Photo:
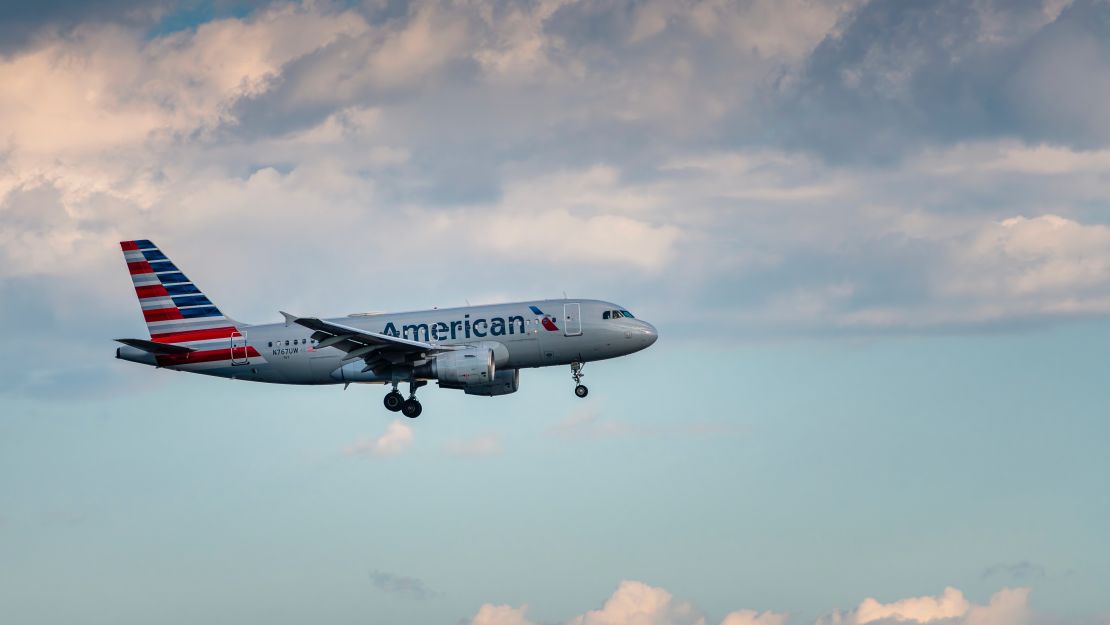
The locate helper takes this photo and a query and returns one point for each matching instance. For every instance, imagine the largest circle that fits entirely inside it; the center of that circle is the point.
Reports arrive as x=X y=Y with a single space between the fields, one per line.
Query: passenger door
x=572 y=319
x=239 y=349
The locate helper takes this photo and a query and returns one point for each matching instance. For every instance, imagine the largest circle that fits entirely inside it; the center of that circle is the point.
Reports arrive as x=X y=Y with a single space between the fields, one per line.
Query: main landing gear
x=576 y=373
x=394 y=401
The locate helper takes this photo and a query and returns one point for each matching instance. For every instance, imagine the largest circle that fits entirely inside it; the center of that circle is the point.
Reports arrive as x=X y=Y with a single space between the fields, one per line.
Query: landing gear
x=411 y=408
x=576 y=373
x=393 y=401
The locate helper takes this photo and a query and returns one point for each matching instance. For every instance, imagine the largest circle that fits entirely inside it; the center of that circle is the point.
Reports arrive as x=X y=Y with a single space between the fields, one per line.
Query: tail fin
x=176 y=311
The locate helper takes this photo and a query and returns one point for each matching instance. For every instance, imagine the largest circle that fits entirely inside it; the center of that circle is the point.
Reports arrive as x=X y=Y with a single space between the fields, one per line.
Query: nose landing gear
x=576 y=373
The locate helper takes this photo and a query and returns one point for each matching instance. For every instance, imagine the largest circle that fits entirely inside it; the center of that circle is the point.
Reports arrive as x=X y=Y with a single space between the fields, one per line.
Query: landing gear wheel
x=393 y=401
x=576 y=373
x=411 y=408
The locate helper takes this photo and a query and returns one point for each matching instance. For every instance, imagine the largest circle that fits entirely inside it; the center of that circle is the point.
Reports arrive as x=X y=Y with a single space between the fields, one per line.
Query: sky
x=873 y=235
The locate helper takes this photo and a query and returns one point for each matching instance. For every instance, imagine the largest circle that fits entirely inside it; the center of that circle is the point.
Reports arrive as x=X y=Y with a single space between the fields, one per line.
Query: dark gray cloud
x=22 y=23
x=1022 y=571
x=400 y=585
x=902 y=75
x=600 y=91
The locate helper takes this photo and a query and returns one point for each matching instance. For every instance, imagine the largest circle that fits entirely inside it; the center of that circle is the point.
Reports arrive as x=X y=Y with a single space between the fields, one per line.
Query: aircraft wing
x=374 y=348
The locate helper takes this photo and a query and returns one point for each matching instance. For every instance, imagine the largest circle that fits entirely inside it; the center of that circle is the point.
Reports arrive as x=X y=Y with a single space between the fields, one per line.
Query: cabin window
x=287 y=343
x=270 y=344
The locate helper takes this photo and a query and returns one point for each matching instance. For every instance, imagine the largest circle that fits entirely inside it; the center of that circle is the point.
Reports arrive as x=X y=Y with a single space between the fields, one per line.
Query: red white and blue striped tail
x=176 y=311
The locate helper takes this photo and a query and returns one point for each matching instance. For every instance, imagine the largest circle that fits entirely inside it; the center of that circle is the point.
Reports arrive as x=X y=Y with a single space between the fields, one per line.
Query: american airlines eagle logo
x=548 y=322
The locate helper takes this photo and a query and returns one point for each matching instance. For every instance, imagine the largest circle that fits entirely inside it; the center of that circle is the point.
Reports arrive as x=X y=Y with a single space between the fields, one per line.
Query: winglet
x=289 y=319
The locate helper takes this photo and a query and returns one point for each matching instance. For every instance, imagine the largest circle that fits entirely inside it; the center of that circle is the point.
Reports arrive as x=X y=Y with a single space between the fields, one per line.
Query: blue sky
x=873 y=236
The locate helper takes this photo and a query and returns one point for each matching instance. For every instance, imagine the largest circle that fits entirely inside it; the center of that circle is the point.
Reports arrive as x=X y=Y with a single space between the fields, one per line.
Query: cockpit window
x=605 y=315
x=627 y=314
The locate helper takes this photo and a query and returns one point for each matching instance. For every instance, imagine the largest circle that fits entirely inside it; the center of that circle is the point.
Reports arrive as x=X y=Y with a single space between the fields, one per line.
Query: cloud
x=1022 y=570
x=950 y=604
x=490 y=614
x=1031 y=257
x=410 y=587
x=637 y=603
x=1009 y=606
x=897 y=76
x=483 y=445
x=751 y=617
x=396 y=439
x=22 y=24
x=622 y=150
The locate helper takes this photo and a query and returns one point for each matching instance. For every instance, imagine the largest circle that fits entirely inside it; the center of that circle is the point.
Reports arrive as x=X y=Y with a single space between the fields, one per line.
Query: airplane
x=479 y=350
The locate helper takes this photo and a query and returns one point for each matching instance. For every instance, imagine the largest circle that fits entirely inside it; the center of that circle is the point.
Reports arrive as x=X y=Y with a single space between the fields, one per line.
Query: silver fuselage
x=518 y=337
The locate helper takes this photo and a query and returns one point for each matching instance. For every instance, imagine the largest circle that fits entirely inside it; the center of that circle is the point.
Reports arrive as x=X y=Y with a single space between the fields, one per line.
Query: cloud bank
x=636 y=603
x=799 y=168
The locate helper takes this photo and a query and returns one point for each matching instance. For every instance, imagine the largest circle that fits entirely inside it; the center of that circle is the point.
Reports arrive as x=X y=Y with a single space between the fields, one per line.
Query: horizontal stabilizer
x=156 y=348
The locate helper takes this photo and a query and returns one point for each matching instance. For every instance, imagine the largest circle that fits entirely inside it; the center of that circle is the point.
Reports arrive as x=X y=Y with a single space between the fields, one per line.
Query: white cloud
x=583 y=217
x=490 y=614
x=397 y=438
x=637 y=603
x=106 y=88
x=751 y=617
x=1043 y=265
x=950 y=604
x=1009 y=606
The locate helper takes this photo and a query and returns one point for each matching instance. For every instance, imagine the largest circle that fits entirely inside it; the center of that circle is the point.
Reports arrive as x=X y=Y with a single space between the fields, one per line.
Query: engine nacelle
x=504 y=382
x=461 y=368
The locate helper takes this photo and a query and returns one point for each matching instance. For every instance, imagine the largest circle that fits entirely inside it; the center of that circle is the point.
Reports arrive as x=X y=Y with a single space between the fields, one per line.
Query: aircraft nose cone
x=650 y=333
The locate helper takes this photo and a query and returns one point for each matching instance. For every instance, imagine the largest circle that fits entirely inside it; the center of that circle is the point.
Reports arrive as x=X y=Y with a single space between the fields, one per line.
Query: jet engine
x=460 y=368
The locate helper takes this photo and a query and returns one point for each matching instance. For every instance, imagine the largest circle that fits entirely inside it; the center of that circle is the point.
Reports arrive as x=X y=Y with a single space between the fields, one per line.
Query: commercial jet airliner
x=479 y=350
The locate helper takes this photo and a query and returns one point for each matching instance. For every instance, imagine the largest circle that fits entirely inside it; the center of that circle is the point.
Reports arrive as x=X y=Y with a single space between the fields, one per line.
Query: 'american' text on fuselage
x=464 y=328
